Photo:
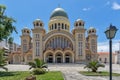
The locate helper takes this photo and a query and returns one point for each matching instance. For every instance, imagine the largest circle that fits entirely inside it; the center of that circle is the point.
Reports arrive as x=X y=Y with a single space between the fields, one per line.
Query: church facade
x=59 y=44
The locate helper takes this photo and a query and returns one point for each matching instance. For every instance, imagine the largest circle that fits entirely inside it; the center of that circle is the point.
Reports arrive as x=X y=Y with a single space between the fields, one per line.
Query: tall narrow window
x=37 y=24
x=52 y=26
x=55 y=26
x=37 y=48
x=93 y=46
x=24 y=47
x=80 y=48
x=40 y=24
x=79 y=24
x=65 y=26
x=62 y=26
x=58 y=24
x=76 y=24
x=80 y=37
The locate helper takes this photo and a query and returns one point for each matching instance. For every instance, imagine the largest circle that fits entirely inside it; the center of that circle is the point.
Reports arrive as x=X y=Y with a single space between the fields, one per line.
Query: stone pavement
x=70 y=71
x=74 y=75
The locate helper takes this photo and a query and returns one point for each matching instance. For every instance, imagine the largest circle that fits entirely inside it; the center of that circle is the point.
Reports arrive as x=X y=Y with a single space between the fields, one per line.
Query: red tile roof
x=104 y=53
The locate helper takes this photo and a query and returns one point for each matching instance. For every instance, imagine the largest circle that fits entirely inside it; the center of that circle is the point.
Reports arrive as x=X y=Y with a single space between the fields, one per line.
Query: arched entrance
x=68 y=58
x=50 y=58
x=59 y=58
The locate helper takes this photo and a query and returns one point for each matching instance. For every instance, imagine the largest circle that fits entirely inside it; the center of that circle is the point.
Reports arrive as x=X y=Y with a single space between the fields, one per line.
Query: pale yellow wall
x=59 y=19
x=76 y=33
x=103 y=56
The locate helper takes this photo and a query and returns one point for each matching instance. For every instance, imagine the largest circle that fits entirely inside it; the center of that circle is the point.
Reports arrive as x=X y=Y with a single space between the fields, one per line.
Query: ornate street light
x=110 y=34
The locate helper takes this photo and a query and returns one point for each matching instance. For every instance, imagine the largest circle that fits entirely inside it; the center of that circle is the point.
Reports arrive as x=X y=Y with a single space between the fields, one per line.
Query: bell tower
x=38 y=33
x=92 y=40
x=25 y=40
x=79 y=34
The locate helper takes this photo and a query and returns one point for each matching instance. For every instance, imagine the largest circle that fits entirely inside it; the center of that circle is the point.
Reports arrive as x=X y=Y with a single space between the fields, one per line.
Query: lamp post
x=110 y=34
x=119 y=47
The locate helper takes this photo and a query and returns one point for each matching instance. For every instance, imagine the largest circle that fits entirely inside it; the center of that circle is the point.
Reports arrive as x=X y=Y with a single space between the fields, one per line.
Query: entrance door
x=50 y=60
x=67 y=60
x=58 y=60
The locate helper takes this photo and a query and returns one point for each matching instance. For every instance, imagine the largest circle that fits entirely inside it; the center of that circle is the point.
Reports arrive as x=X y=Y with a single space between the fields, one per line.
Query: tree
x=94 y=65
x=6 y=25
x=38 y=66
x=3 y=60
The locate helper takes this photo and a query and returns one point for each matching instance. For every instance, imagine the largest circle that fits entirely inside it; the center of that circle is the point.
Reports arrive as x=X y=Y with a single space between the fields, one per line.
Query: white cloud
x=86 y=9
x=115 y=6
x=104 y=46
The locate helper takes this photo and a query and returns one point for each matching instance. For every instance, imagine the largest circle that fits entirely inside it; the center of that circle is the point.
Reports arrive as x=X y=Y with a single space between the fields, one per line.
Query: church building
x=59 y=44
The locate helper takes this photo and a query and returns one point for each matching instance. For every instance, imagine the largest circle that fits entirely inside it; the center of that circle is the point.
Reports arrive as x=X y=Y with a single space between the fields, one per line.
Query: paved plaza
x=70 y=71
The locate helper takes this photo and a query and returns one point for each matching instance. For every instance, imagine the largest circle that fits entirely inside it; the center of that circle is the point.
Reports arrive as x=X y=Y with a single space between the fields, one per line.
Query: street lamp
x=110 y=34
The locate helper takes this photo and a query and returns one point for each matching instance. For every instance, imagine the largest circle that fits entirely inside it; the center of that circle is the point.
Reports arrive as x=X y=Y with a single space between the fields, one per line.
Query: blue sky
x=95 y=13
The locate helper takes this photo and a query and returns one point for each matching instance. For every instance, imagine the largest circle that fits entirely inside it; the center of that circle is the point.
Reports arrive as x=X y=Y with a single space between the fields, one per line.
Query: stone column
x=53 y=58
x=44 y=58
x=63 y=58
x=72 y=58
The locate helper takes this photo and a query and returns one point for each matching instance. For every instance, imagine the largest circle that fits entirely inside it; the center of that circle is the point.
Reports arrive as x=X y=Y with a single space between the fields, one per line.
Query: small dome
x=59 y=12
x=38 y=20
x=79 y=20
x=38 y=23
x=79 y=23
x=25 y=28
x=91 y=30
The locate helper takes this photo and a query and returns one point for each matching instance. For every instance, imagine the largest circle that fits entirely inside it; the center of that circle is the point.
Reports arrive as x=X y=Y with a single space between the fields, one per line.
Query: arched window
x=37 y=48
x=58 y=24
x=24 y=47
x=80 y=45
x=93 y=42
x=27 y=31
x=59 y=42
x=65 y=26
x=55 y=26
x=37 y=24
x=93 y=45
x=62 y=26
x=40 y=24
x=80 y=24
x=76 y=24
x=52 y=26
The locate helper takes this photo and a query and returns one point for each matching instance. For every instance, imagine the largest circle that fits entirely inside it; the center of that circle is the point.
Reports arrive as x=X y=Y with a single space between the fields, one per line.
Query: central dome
x=59 y=12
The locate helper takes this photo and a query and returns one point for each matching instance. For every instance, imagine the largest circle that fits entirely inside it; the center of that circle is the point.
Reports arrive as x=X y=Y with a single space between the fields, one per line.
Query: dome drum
x=25 y=31
x=38 y=23
x=59 y=25
x=79 y=23
x=91 y=30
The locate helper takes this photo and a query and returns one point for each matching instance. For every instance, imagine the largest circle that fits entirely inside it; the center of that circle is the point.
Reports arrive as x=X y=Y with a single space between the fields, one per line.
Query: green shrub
x=38 y=71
